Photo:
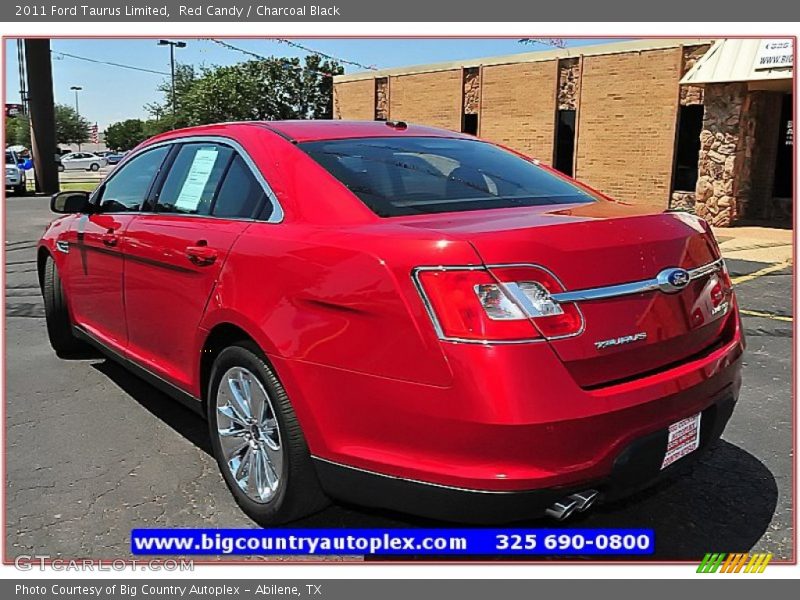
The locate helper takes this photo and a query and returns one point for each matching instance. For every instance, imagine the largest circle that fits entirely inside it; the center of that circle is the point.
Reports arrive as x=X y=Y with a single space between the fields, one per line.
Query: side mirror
x=66 y=203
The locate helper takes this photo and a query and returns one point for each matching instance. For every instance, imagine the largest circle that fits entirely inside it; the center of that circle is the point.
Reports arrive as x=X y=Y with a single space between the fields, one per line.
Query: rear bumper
x=636 y=466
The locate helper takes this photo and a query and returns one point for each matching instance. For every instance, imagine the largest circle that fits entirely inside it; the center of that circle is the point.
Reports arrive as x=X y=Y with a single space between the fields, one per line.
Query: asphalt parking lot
x=92 y=451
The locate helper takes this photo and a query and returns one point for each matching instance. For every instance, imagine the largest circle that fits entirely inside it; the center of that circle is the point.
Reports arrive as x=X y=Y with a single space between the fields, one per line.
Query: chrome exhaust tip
x=562 y=509
x=584 y=499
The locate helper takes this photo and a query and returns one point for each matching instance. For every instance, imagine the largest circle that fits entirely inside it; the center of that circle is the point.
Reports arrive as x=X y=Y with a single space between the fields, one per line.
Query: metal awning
x=743 y=60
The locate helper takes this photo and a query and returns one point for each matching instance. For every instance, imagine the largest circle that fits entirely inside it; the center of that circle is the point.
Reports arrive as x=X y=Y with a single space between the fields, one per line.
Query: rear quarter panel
x=318 y=295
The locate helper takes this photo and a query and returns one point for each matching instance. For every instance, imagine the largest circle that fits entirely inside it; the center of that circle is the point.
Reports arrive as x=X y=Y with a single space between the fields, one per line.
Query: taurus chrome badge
x=625 y=339
x=673 y=280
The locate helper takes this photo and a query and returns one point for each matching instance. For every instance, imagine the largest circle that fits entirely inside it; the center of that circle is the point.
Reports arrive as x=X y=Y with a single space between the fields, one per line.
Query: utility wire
x=109 y=63
x=343 y=61
x=263 y=57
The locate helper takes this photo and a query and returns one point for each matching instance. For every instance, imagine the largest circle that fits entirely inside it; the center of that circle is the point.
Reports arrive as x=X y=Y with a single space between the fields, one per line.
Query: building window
x=565 y=141
x=381 y=98
x=687 y=151
x=469 y=124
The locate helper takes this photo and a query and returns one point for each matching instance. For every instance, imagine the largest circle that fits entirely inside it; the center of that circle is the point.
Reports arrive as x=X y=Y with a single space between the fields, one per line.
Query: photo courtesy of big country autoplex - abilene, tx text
x=240 y=11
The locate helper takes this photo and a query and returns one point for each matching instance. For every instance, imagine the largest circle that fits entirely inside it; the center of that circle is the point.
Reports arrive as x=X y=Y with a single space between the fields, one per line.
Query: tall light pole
x=76 y=89
x=172 y=45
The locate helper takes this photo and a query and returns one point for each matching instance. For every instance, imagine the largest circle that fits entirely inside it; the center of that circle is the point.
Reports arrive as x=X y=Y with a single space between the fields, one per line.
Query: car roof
x=314 y=130
x=306 y=131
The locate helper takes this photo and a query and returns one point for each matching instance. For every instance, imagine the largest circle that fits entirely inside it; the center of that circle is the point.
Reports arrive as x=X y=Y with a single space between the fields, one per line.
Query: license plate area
x=683 y=438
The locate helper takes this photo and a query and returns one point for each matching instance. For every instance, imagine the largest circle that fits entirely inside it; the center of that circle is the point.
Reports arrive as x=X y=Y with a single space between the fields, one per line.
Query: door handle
x=109 y=238
x=201 y=255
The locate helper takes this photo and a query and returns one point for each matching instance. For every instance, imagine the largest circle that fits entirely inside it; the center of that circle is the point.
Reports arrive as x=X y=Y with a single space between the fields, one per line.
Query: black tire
x=60 y=168
x=94 y=167
x=21 y=189
x=298 y=493
x=59 y=325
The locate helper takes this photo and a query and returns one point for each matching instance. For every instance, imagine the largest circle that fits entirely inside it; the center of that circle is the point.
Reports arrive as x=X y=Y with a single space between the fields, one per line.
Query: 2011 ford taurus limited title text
x=400 y=316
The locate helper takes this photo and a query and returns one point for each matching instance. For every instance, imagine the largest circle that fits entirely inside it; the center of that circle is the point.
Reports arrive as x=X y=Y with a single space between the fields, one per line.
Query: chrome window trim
x=632 y=288
x=277 y=210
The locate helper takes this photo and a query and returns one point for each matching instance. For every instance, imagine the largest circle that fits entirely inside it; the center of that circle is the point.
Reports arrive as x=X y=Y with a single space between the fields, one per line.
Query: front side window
x=419 y=175
x=127 y=189
x=193 y=179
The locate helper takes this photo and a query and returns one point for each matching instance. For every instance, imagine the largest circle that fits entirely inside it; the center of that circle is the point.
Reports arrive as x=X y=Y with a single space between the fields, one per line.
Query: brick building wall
x=354 y=100
x=627 y=103
x=626 y=124
x=427 y=98
x=518 y=103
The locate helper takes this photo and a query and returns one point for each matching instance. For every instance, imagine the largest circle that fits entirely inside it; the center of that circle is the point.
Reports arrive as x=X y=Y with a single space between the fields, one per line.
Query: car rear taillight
x=505 y=303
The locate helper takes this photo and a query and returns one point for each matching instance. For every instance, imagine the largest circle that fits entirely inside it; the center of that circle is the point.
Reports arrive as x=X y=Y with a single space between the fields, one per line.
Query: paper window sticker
x=196 y=180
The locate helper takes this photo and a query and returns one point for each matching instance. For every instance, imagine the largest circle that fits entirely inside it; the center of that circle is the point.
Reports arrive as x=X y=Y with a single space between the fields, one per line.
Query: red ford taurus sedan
x=399 y=316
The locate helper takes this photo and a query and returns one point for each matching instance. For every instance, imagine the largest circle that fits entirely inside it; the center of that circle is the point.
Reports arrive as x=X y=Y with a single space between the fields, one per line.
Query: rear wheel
x=257 y=441
x=94 y=167
x=59 y=325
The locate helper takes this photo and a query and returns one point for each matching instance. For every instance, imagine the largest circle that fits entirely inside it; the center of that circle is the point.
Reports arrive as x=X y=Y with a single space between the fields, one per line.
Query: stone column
x=472 y=91
x=381 y=98
x=726 y=143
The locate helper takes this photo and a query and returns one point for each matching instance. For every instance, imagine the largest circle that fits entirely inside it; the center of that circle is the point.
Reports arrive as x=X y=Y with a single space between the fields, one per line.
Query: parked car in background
x=15 y=175
x=81 y=160
x=401 y=317
x=111 y=156
x=114 y=158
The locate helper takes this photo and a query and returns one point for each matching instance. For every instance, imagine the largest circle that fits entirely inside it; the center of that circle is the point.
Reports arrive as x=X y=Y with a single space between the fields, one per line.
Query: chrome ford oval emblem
x=673 y=280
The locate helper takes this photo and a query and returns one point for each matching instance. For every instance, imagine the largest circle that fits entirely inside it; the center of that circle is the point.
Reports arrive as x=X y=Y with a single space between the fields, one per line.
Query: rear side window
x=418 y=175
x=240 y=193
x=127 y=189
x=193 y=179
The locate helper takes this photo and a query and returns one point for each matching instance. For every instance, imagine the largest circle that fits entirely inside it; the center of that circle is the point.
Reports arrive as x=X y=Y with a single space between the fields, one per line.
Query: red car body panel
x=328 y=295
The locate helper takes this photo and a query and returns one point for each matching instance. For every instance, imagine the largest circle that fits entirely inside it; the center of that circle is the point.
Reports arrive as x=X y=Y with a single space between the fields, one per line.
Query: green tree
x=164 y=118
x=18 y=131
x=71 y=128
x=125 y=135
x=268 y=89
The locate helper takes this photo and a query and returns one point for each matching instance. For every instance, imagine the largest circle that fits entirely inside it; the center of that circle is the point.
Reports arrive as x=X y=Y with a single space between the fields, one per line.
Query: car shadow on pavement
x=722 y=503
x=184 y=421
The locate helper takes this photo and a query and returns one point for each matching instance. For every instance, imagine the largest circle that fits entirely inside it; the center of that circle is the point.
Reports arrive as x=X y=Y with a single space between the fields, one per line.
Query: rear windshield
x=419 y=175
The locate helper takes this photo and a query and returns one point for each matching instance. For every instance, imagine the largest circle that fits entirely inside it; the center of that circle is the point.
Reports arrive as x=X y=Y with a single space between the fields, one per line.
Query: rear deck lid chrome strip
x=667 y=281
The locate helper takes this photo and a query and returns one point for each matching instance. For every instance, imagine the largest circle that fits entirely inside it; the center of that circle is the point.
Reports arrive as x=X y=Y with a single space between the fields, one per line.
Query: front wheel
x=257 y=440
x=21 y=189
x=60 y=168
x=59 y=325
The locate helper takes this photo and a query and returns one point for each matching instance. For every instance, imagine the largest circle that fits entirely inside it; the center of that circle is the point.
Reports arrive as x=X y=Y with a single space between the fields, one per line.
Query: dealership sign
x=12 y=110
x=774 y=54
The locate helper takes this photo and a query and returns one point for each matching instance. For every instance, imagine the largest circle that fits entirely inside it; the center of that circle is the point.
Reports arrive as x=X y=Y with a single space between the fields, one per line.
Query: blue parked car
x=112 y=157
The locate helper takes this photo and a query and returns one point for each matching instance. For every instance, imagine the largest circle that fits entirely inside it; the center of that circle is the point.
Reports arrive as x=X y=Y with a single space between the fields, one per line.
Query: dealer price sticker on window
x=683 y=439
x=197 y=179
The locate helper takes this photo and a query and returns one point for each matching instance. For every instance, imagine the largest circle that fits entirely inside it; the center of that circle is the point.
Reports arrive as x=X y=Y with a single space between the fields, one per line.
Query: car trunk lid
x=627 y=335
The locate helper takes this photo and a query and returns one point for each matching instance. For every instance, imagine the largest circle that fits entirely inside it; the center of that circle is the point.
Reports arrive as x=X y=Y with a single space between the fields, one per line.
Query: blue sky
x=112 y=94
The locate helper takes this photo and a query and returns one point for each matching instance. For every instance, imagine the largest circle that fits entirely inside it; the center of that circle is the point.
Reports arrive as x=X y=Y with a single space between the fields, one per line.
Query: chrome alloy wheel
x=249 y=435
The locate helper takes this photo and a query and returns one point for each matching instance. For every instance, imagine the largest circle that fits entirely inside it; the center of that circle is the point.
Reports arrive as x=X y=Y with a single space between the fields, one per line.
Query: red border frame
x=544 y=560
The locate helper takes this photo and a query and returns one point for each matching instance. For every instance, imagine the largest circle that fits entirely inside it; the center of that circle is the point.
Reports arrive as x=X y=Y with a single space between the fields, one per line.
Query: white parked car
x=81 y=160
x=15 y=176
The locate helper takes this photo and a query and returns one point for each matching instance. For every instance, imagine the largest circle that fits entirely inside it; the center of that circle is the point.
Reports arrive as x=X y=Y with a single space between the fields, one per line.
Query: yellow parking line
x=765 y=315
x=761 y=272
